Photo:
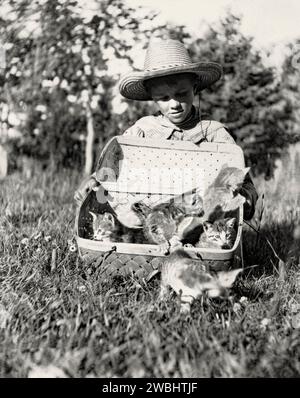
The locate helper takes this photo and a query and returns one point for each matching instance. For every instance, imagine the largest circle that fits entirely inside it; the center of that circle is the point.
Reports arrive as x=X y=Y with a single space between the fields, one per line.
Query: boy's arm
x=85 y=188
x=249 y=192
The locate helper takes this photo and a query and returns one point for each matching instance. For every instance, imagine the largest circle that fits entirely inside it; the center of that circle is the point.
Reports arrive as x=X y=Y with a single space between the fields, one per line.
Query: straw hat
x=167 y=57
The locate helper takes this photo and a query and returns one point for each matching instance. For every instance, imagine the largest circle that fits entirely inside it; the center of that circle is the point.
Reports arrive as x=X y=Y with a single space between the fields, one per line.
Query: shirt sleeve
x=222 y=135
x=214 y=131
x=249 y=192
x=134 y=131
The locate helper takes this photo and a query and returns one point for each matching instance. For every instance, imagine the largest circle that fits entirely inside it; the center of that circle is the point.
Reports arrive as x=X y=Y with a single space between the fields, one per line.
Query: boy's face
x=173 y=95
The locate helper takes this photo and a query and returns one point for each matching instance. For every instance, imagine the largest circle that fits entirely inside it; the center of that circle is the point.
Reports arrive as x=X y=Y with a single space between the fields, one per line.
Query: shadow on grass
x=257 y=250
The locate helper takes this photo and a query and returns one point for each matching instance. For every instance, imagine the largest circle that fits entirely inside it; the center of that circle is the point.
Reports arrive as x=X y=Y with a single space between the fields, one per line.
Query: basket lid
x=131 y=169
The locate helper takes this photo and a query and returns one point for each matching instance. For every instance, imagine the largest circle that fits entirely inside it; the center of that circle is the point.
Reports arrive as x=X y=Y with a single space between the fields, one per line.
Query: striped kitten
x=107 y=228
x=222 y=195
x=166 y=223
x=190 y=279
x=104 y=227
x=219 y=235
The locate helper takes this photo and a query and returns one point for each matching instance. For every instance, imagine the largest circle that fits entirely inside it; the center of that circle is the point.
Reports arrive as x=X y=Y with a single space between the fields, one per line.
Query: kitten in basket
x=220 y=234
x=189 y=278
x=107 y=228
x=222 y=195
x=167 y=223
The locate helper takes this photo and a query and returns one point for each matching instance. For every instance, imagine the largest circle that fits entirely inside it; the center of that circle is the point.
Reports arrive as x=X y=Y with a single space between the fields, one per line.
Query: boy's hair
x=169 y=79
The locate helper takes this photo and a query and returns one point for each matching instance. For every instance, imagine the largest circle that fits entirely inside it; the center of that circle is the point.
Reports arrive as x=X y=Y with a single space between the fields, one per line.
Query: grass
x=58 y=319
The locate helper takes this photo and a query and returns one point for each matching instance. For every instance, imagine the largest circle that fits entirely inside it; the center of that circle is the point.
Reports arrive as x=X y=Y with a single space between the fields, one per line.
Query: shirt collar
x=189 y=123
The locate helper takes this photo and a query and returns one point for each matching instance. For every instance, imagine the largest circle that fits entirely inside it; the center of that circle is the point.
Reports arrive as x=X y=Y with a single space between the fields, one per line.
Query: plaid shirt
x=196 y=131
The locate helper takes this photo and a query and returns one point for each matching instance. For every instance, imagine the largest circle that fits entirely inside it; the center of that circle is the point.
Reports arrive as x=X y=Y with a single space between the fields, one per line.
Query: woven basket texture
x=140 y=267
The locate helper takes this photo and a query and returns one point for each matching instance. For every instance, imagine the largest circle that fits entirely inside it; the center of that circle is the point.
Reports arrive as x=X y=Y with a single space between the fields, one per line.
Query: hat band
x=168 y=66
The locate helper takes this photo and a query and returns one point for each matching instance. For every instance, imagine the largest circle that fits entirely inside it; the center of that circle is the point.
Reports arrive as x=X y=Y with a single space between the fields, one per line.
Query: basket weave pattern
x=122 y=264
x=139 y=267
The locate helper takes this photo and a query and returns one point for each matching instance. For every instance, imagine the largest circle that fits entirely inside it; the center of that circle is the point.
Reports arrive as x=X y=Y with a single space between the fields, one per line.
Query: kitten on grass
x=190 y=278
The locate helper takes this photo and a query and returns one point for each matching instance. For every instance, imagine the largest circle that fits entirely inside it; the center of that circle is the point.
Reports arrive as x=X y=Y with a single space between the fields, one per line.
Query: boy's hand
x=85 y=188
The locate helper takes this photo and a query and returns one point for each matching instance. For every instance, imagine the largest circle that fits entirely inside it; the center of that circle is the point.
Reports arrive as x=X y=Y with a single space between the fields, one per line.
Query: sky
x=271 y=23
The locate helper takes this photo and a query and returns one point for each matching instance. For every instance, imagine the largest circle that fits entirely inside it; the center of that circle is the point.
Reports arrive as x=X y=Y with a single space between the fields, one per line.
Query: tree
x=60 y=73
x=248 y=99
x=290 y=77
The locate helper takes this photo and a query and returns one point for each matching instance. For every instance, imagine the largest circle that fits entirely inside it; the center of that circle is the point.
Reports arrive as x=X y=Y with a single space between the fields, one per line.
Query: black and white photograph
x=149 y=192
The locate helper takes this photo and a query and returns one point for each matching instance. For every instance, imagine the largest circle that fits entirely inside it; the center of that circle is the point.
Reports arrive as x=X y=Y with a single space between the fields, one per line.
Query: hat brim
x=131 y=86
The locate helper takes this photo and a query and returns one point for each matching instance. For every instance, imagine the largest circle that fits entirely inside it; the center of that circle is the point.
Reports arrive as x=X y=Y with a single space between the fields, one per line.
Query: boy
x=171 y=80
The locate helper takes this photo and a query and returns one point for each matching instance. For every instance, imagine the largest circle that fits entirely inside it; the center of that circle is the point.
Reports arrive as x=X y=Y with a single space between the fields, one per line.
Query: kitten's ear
x=227 y=278
x=230 y=222
x=246 y=170
x=197 y=199
x=93 y=215
x=109 y=217
x=206 y=225
x=141 y=208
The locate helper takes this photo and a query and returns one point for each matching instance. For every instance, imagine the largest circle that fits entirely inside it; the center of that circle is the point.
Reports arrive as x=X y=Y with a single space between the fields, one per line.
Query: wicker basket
x=131 y=169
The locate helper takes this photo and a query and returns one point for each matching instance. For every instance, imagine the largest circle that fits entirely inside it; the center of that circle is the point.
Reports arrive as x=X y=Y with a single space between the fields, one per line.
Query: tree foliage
x=59 y=72
x=291 y=88
x=248 y=99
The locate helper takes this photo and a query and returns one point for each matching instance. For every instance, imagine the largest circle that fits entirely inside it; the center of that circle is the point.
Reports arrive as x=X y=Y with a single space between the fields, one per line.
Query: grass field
x=57 y=319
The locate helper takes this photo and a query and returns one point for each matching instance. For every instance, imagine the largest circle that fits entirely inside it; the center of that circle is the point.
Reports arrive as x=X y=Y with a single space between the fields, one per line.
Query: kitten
x=104 y=227
x=107 y=228
x=189 y=278
x=219 y=235
x=222 y=195
x=165 y=224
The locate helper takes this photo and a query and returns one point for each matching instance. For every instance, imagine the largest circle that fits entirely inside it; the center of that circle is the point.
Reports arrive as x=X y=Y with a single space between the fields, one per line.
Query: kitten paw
x=165 y=247
x=175 y=242
x=185 y=308
x=163 y=293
